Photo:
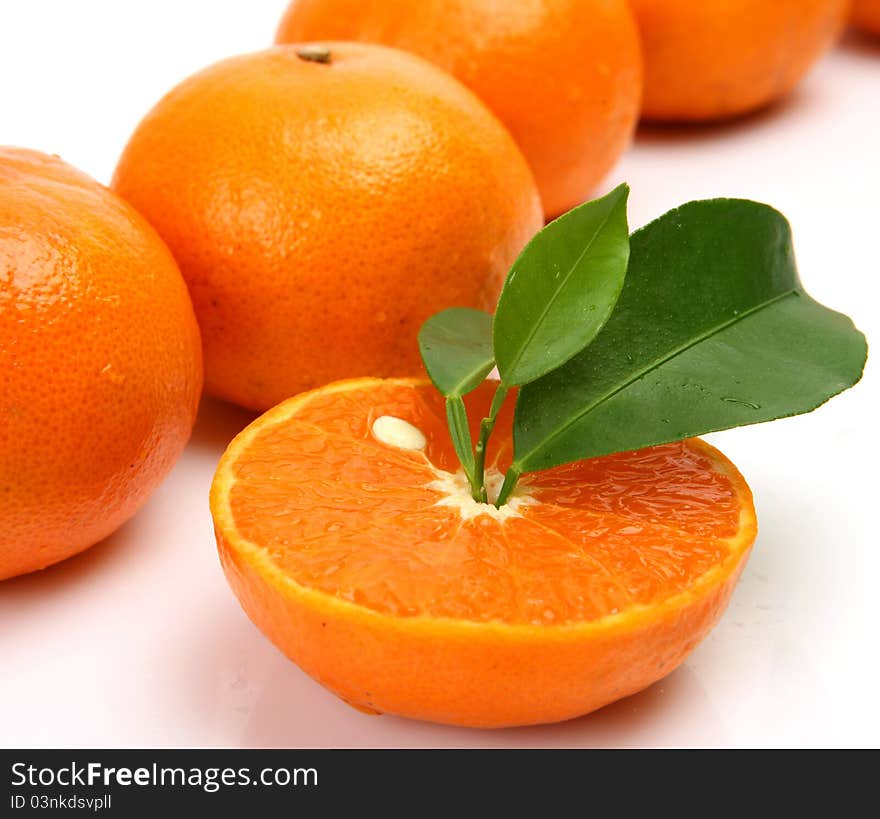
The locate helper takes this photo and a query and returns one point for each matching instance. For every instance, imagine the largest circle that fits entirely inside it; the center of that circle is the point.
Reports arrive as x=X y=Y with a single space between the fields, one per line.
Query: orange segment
x=372 y=568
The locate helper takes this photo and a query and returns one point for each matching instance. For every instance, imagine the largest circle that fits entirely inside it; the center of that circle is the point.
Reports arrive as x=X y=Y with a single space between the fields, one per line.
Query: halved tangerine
x=362 y=556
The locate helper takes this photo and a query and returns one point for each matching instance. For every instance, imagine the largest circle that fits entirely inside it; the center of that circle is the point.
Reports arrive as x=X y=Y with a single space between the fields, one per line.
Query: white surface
x=139 y=642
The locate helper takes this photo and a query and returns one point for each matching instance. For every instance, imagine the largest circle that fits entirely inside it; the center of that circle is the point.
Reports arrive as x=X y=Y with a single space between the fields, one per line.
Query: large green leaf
x=712 y=330
x=562 y=289
x=456 y=346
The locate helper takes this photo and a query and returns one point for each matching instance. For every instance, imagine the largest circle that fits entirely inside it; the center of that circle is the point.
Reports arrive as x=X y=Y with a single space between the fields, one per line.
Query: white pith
x=456 y=493
x=454 y=486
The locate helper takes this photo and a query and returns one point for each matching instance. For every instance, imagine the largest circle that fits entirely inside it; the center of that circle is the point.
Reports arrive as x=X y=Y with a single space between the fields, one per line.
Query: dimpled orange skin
x=100 y=361
x=866 y=15
x=337 y=549
x=712 y=60
x=321 y=211
x=564 y=76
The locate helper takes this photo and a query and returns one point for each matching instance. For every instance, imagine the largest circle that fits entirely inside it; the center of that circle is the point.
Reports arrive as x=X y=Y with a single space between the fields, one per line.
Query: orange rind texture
x=725 y=58
x=100 y=361
x=320 y=212
x=564 y=76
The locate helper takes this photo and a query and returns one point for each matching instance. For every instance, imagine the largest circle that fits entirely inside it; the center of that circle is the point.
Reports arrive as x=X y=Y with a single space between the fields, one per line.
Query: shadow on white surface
x=265 y=701
x=861 y=44
x=217 y=424
x=803 y=100
x=84 y=568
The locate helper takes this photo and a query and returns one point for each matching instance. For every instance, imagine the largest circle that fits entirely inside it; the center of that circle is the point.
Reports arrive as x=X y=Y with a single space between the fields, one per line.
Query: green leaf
x=456 y=346
x=562 y=289
x=712 y=330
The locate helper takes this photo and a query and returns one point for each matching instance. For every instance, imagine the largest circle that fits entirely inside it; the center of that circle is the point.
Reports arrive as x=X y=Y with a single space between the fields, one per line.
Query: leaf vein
x=639 y=374
x=547 y=307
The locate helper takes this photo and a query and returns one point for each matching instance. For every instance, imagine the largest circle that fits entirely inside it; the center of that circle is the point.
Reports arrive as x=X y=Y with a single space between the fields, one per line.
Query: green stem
x=486 y=427
x=509 y=485
x=459 y=431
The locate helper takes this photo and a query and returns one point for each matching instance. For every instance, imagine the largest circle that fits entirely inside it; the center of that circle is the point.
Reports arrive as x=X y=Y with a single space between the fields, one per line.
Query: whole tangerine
x=322 y=201
x=100 y=361
x=706 y=61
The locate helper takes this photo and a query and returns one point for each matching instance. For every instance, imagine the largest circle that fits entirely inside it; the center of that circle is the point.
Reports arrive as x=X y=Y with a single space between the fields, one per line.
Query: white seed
x=398 y=433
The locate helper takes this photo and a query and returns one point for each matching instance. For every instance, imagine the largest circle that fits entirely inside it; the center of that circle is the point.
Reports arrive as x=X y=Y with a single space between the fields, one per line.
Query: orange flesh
x=341 y=513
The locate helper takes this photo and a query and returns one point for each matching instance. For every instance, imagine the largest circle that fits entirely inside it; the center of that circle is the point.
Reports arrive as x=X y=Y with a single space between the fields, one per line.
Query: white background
x=139 y=641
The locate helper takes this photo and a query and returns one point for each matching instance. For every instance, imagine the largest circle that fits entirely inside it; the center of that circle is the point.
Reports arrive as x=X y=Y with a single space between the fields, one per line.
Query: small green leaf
x=712 y=330
x=456 y=346
x=562 y=289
